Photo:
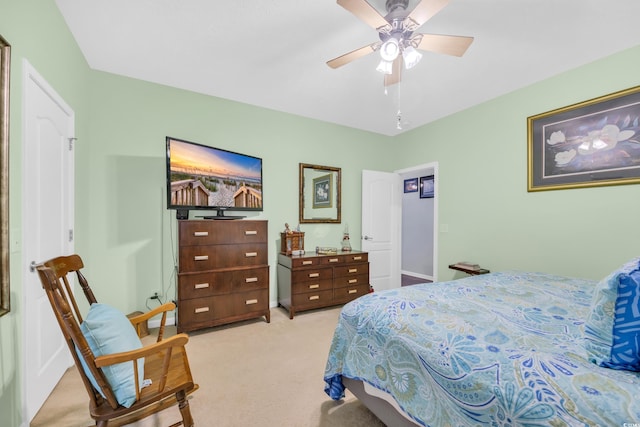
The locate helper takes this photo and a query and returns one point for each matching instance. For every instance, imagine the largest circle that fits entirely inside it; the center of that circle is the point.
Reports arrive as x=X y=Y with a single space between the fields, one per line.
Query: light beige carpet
x=251 y=373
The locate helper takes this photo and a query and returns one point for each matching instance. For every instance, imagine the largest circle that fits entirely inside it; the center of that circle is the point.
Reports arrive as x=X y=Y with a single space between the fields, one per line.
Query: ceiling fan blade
x=448 y=45
x=353 y=55
x=396 y=72
x=424 y=11
x=367 y=13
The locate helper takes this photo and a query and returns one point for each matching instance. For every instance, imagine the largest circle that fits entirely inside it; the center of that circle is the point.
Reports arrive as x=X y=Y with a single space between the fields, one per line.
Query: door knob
x=368 y=238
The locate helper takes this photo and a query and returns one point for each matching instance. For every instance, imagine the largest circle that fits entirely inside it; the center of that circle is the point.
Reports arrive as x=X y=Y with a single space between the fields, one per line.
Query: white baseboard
x=421 y=276
x=155 y=323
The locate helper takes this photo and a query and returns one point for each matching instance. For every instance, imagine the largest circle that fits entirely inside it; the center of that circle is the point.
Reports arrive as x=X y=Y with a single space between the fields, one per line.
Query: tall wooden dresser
x=223 y=273
x=310 y=281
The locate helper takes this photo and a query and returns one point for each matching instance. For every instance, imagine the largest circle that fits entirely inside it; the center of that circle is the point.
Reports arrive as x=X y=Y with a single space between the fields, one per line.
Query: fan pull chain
x=399 y=114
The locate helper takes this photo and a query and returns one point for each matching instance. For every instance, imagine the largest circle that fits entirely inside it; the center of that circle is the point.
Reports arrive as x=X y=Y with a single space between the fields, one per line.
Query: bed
x=501 y=349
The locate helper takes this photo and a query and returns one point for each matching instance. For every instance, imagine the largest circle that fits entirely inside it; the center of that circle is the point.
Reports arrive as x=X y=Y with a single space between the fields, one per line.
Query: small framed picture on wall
x=427 y=188
x=411 y=185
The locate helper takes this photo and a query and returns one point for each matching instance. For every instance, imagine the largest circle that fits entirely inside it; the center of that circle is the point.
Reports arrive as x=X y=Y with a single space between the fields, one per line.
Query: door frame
x=432 y=166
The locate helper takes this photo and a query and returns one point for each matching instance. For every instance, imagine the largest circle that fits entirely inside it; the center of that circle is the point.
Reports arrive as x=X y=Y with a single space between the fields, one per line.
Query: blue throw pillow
x=612 y=330
x=625 y=351
x=108 y=331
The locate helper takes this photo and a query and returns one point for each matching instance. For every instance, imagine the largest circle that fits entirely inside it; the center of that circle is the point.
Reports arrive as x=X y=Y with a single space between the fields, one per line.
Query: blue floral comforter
x=500 y=349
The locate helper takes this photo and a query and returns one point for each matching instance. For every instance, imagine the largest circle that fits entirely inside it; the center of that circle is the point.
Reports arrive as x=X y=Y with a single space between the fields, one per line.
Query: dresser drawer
x=340 y=282
x=311 y=274
x=311 y=286
x=349 y=293
x=333 y=260
x=351 y=270
x=250 y=279
x=248 y=302
x=203 y=284
x=210 y=257
x=305 y=262
x=203 y=310
x=359 y=257
x=312 y=299
x=215 y=232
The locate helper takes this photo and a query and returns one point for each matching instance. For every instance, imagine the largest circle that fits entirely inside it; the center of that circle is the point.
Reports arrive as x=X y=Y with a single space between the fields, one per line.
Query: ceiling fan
x=398 y=39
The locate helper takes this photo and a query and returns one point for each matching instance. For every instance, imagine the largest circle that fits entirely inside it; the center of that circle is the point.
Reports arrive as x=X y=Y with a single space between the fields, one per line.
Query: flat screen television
x=207 y=178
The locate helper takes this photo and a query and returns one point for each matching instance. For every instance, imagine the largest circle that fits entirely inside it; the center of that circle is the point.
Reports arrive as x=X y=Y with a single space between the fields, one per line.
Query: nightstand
x=471 y=271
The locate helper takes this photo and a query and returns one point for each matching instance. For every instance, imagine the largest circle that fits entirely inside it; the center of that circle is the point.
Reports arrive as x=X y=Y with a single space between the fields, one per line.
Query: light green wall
x=127 y=237
x=129 y=225
x=483 y=198
x=37 y=32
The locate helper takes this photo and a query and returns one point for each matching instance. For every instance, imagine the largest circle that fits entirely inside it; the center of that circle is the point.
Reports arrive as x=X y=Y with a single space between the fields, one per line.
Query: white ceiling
x=273 y=53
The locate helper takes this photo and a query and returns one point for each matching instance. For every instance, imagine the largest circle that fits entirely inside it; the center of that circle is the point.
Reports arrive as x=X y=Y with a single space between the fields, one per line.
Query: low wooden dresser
x=310 y=281
x=223 y=273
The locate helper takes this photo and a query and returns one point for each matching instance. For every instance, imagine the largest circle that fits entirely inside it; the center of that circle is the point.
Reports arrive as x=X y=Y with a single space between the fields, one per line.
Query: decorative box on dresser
x=223 y=273
x=310 y=281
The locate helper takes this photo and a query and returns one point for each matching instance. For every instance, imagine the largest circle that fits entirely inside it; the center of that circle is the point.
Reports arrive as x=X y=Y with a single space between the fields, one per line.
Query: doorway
x=419 y=224
x=383 y=221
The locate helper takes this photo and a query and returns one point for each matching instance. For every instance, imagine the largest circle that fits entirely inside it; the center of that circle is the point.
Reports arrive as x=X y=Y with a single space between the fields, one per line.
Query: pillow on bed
x=108 y=331
x=612 y=330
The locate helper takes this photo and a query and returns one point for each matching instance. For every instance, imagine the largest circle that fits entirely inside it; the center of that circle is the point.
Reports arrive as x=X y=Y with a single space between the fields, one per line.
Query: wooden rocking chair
x=165 y=361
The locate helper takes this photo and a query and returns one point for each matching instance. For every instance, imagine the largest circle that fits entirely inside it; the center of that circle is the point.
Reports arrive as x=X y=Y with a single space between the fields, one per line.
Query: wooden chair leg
x=185 y=411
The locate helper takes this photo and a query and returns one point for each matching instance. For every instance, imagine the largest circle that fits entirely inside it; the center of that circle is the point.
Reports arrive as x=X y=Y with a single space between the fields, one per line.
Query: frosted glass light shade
x=411 y=57
x=385 y=67
x=390 y=49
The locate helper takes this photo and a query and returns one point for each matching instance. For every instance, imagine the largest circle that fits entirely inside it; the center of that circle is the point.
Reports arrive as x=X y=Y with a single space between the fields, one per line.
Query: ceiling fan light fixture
x=390 y=49
x=411 y=57
x=385 y=67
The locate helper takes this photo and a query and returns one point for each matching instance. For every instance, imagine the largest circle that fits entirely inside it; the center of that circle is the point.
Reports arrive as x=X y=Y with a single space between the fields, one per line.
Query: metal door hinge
x=71 y=235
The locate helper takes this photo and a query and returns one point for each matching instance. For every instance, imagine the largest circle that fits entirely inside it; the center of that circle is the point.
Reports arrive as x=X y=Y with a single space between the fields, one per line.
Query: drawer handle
x=314 y=274
x=314 y=286
x=251 y=301
x=201 y=257
x=333 y=260
x=201 y=310
x=201 y=285
x=250 y=279
x=353 y=270
x=250 y=232
x=314 y=297
x=307 y=262
x=357 y=258
x=353 y=291
x=200 y=233
x=251 y=254
x=353 y=280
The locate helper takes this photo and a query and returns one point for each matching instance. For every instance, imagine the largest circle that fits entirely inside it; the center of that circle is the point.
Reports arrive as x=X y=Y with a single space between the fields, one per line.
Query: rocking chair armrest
x=168 y=306
x=179 y=340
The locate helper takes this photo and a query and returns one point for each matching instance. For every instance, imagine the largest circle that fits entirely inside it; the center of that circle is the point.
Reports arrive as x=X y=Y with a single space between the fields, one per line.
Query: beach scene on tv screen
x=203 y=176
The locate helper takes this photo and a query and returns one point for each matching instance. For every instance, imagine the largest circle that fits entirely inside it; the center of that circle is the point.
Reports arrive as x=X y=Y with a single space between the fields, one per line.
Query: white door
x=47 y=206
x=381 y=227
